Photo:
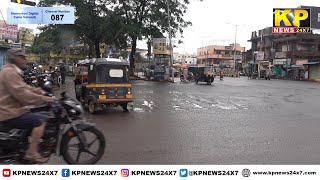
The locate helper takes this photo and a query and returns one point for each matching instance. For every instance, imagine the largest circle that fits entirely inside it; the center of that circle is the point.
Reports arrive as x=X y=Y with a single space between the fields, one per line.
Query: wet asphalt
x=234 y=121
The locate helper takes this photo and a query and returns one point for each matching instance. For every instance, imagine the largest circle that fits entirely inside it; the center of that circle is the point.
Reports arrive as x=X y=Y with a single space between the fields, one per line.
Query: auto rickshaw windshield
x=112 y=74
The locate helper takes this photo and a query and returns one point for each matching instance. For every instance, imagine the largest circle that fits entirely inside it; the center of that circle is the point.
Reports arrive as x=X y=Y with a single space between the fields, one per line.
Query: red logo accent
x=6 y=172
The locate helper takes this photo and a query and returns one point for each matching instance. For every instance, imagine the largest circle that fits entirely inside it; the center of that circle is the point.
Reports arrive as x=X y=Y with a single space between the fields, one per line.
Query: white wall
x=190 y=59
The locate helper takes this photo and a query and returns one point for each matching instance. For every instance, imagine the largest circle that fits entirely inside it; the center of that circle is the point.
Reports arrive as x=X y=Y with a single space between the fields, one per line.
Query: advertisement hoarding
x=161 y=46
x=8 y=31
x=161 y=61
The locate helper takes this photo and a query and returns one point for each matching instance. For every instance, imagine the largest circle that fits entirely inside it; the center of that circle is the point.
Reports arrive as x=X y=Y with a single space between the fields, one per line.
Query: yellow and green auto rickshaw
x=103 y=82
x=205 y=74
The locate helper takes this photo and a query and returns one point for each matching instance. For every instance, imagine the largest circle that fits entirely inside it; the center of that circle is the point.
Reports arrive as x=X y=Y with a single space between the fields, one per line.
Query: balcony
x=303 y=53
x=226 y=55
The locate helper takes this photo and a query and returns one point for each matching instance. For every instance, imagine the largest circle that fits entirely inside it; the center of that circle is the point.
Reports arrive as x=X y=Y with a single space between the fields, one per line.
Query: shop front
x=3 y=56
x=262 y=67
x=313 y=70
x=278 y=66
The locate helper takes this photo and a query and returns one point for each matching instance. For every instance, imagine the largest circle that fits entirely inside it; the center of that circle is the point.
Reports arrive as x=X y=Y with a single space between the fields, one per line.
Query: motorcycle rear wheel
x=68 y=157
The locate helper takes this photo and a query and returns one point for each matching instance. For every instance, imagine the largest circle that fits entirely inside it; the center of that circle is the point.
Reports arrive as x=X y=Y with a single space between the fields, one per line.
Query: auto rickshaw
x=103 y=82
x=205 y=74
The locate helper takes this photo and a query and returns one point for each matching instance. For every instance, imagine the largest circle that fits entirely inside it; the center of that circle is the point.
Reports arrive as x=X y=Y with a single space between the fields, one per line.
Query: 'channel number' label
x=58 y=15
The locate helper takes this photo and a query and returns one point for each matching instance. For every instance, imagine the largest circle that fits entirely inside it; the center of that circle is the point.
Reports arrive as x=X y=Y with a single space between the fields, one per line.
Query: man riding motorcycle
x=15 y=95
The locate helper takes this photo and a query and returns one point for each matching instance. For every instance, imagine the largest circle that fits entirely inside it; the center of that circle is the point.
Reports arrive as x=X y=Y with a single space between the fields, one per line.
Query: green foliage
x=117 y=22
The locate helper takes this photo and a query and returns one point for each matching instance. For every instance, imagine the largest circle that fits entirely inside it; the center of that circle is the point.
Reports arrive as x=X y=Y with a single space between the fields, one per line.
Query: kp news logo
x=291 y=21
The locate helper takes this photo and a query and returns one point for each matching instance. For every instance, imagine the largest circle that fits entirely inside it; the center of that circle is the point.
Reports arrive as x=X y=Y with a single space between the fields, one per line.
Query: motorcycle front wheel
x=74 y=152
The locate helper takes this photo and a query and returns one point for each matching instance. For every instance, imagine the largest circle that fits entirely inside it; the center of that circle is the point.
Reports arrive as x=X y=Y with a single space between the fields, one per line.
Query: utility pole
x=169 y=27
x=260 y=51
x=235 y=50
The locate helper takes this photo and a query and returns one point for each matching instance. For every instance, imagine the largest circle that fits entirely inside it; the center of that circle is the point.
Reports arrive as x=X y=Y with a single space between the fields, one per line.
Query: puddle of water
x=148 y=104
x=175 y=92
x=197 y=106
x=226 y=107
x=138 y=109
x=146 y=92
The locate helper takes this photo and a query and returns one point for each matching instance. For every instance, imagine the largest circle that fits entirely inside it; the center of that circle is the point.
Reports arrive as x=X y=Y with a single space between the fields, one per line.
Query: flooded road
x=235 y=121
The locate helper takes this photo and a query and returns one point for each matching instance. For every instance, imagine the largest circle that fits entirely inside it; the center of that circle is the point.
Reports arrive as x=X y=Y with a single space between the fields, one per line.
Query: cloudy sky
x=212 y=20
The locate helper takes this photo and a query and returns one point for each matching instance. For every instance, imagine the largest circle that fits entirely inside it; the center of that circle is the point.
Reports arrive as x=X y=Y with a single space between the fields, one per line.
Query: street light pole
x=169 y=27
x=235 y=49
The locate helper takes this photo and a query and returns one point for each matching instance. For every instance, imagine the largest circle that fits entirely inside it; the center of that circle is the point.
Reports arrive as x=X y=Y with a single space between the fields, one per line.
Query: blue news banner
x=41 y=15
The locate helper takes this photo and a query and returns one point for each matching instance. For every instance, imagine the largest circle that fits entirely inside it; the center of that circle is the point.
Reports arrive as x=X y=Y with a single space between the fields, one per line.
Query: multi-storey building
x=289 y=55
x=216 y=55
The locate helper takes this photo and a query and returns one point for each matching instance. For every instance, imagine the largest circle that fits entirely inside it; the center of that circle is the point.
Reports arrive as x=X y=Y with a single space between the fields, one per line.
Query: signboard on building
x=239 y=57
x=15 y=45
x=279 y=55
x=279 y=61
x=260 y=56
x=8 y=31
x=161 y=46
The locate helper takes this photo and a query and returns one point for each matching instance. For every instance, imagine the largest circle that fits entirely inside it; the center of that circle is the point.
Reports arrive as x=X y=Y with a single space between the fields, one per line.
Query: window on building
x=217 y=52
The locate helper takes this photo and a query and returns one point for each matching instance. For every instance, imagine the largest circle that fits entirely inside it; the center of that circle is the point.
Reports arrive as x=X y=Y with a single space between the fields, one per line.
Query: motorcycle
x=190 y=77
x=56 y=77
x=44 y=77
x=30 y=77
x=64 y=127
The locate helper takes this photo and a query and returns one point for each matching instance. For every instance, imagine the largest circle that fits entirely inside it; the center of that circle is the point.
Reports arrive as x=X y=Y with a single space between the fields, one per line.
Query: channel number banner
x=41 y=15
x=123 y=172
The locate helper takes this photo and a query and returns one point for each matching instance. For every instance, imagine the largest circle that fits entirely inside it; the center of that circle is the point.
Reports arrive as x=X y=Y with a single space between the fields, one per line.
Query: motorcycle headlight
x=72 y=111
x=80 y=108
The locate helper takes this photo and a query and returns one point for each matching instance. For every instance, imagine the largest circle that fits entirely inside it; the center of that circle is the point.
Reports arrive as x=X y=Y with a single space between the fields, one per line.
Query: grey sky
x=210 y=20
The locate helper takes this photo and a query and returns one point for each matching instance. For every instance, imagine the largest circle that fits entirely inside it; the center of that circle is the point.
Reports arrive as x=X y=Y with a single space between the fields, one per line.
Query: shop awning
x=311 y=63
x=297 y=66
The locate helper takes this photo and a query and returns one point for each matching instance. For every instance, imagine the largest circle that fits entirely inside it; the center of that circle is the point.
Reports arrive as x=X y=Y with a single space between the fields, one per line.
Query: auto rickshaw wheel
x=78 y=97
x=92 y=107
x=125 y=107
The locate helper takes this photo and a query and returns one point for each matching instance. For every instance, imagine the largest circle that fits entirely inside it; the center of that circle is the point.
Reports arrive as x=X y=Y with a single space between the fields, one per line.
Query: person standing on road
x=63 y=72
x=15 y=95
x=185 y=73
x=221 y=74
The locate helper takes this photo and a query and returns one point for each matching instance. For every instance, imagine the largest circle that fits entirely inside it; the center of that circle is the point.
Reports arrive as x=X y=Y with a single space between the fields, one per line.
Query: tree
x=94 y=23
x=143 y=18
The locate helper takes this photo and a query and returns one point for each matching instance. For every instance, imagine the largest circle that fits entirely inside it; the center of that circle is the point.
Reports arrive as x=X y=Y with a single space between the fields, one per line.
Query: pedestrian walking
x=185 y=74
x=63 y=72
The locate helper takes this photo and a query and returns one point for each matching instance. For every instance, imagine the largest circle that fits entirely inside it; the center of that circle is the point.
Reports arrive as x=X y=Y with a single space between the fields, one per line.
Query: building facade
x=288 y=55
x=216 y=55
